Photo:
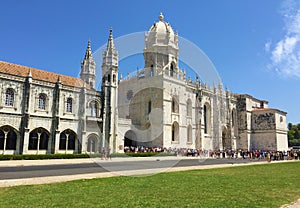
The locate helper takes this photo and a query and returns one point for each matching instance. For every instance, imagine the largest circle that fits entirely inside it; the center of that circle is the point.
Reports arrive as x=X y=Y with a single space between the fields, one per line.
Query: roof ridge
x=40 y=74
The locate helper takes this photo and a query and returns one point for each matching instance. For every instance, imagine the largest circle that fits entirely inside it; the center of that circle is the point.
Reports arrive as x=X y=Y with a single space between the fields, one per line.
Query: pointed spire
x=110 y=43
x=110 y=56
x=88 y=67
x=88 y=53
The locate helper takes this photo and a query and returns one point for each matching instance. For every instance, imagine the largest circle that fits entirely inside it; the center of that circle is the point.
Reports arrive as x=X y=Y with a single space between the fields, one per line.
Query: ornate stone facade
x=160 y=106
x=46 y=113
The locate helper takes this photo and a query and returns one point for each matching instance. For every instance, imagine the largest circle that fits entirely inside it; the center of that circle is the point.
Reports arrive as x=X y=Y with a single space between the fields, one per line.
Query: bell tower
x=161 y=48
x=110 y=94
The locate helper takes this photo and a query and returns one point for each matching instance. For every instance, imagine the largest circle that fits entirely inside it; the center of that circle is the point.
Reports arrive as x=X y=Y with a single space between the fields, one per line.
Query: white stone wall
x=265 y=140
x=281 y=131
x=281 y=140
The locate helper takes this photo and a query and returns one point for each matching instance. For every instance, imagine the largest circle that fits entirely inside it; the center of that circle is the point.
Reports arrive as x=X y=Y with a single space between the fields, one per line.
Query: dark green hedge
x=72 y=156
x=43 y=157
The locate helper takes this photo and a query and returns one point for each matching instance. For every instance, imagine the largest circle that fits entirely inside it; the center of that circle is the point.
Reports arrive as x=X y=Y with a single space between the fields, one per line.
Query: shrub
x=43 y=157
x=72 y=156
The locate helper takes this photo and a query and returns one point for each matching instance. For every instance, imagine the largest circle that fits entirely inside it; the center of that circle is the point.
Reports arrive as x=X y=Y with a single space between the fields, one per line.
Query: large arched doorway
x=226 y=141
x=93 y=144
x=130 y=139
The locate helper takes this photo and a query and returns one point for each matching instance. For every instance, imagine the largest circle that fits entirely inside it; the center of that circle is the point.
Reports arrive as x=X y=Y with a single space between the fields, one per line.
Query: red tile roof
x=37 y=74
x=268 y=109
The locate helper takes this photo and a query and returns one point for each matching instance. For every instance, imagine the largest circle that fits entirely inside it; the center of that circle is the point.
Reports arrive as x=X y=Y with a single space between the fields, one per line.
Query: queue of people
x=218 y=154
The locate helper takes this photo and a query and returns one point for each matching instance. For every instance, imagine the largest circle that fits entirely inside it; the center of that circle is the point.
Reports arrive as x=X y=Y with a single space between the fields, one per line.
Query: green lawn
x=269 y=185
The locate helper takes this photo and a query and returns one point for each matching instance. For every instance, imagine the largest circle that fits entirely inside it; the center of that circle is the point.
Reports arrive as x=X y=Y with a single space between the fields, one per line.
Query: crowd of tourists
x=218 y=154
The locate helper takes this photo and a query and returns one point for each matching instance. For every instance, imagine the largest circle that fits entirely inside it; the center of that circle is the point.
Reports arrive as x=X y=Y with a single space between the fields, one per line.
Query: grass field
x=269 y=185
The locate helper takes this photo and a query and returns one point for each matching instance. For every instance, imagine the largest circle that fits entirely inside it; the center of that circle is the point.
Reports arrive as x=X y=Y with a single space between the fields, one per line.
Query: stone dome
x=161 y=33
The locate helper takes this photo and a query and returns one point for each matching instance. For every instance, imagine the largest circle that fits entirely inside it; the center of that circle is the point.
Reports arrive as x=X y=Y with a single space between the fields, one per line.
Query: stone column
x=38 y=144
x=49 y=145
x=26 y=141
x=83 y=142
x=56 y=145
x=5 y=138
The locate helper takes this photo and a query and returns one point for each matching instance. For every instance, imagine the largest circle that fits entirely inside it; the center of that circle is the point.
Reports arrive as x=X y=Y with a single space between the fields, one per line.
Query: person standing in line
x=269 y=157
x=104 y=156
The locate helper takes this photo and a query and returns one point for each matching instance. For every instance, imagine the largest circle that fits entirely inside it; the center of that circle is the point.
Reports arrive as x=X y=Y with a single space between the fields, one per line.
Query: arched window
x=108 y=78
x=189 y=107
x=175 y=105
x=172 y=70
x=42 y=102
x=11 y=138
x=69 y=106
x=175 y=132
x=114 y=78
x=38 y=139
x=92 y=144
x=189 y=133
x=11 y=141
x=205 y=119
x=149 y=106
x=9 y=97
x=94 y=109
x=92 y=83
x=151 y=71
x=67 y=140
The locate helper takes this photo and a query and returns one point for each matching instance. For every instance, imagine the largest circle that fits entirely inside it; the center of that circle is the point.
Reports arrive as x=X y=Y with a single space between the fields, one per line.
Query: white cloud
x=284 y=49
x=285 y=54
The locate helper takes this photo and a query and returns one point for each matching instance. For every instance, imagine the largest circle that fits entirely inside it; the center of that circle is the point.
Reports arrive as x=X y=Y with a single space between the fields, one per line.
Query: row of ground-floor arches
x=40 y=139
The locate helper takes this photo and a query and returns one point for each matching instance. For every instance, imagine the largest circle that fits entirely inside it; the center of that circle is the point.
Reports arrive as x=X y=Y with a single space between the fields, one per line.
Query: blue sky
x=254 y=44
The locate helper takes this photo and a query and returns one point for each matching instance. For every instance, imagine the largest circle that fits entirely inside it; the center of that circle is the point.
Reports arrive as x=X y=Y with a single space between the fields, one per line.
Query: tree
x=294 y=134
x=291 y=135
x=297 y=134
x=290 y=125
